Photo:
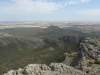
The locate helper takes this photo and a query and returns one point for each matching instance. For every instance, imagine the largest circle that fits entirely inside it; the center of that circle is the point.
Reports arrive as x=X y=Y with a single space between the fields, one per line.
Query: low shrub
x=72 y=55
x=97 y=62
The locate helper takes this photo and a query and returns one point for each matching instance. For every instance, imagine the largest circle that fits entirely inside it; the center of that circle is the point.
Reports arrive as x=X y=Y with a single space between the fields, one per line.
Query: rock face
x=31 y=42
x=86 y=59
x=53 y=42
x=67 y=38
x=73 y=39
x=68 y=58
x=42 y=69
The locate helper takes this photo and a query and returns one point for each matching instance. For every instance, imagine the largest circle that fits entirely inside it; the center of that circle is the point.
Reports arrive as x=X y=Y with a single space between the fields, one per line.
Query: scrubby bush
x=97 y=62
x=72 y=55
x=3 y=70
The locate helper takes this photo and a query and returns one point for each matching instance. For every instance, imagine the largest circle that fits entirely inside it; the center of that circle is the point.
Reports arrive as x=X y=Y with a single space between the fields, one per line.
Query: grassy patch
x=97 y=62
x=72 y=55
x=3 y=69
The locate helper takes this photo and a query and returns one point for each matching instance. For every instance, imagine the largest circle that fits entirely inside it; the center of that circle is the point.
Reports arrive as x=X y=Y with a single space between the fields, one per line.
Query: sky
x=49 y=10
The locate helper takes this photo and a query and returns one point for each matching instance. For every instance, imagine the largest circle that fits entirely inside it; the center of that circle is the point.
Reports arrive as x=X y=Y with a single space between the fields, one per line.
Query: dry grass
x=87 y=58
x=90 y=63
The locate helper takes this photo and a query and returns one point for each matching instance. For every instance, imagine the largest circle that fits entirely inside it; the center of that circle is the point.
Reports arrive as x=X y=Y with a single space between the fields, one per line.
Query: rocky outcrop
x=88 y=59
x=31 y=42
x=53 y=42
x=73 y=39
x=68 y=58
x=42 y=69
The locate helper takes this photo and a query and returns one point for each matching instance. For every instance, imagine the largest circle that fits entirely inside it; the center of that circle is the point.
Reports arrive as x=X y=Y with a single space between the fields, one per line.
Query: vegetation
x=97 y=62
x=72 y=55
x=3 y=69
x=14 y=56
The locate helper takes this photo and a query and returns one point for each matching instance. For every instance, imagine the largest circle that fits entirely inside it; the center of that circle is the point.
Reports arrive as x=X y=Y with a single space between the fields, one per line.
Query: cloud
x=89 y=12
x=76 y=1
x=35 y=6
x=29 y=6
x=85 y=0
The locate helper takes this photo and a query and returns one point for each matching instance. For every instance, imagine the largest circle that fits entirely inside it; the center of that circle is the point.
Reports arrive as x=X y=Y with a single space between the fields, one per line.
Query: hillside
x=85 y=62
x=20 y=51
x=38 y=46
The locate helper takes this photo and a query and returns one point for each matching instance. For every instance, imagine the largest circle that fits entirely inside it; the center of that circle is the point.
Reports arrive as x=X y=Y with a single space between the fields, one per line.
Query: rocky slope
x=42 y=69
x=55 y=42
x=31 y=42
x=73 y=39
x=67 y=38
x=88 y=59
